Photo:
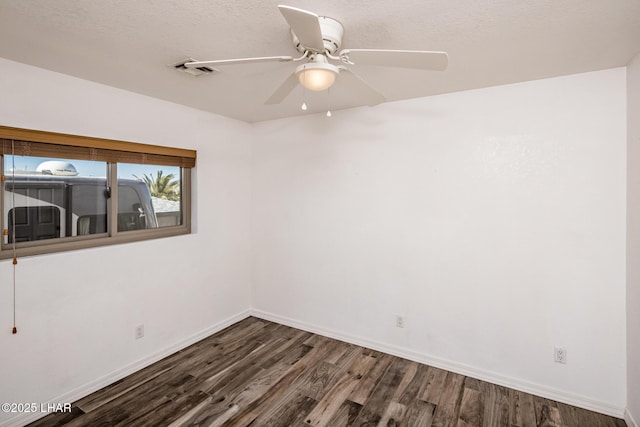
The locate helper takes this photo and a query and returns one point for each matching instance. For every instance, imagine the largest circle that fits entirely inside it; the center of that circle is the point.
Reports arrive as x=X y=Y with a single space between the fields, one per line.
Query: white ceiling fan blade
x=419 y=59
x=305 y=25
x=373 y=97
x=197 y=64
x=283 y=90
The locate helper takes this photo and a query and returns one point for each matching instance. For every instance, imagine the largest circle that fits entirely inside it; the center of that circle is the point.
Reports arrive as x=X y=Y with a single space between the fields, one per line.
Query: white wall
x=76 y=311
x=493 y=220
x=633 y=241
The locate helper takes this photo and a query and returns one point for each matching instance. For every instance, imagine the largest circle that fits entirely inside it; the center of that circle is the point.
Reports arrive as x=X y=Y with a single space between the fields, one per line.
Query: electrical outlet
x=399 y=321
x=139 y=331
x=560 y=355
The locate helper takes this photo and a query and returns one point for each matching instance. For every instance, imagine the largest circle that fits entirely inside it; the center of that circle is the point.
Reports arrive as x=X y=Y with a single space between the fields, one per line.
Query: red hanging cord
x=13 y=225
x=15 y=262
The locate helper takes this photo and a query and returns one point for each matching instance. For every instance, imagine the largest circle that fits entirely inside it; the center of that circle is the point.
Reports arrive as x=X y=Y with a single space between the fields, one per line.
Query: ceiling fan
x=318 y=38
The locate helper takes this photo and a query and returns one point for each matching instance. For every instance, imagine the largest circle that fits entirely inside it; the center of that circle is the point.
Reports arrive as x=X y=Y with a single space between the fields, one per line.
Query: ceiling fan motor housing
x=332 y=32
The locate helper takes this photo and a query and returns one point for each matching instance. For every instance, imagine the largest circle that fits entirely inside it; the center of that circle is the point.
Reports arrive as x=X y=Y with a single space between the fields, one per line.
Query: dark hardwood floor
x=258 y=373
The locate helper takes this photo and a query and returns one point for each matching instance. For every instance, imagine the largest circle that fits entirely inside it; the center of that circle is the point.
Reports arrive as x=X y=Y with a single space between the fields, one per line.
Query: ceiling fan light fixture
x=317 y=76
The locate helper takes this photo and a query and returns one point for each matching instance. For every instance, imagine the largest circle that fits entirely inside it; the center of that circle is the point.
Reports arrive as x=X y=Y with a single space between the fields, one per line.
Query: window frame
x=89 y=148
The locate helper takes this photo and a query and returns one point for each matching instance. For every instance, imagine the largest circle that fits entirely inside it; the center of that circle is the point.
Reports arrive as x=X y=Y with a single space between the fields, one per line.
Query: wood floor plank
x=412 y=390
x=472 y=404
x=138 y=402
x=348 y=356
x=448 y=408
x=619 y=422
x=259 y=373
x=335 y=397
x=496 y=405
x=319 y=378
x=361 y=392
x=276 y=380
x=393 y=416
x=325 y=375
x=243 y=365
x=521 y=409
x=209 y=366
x=194 y=413
x=568 y=414
x=287 y=412
x=471 y=409
x=433 y=388
x=169 y=411
x=337 y=353
x=123 y=386
x=409 y=374
x=241 y=331
x=301 y=392
x=294 y=412
x=346 y=414
x=547 y=413
x=284 y=380
x=58 y=419
x=263 y=357
x=251 y=381
x=314 y=340
x=586 y=417
x=376 y=404
x=419 y=414
x=280 y=352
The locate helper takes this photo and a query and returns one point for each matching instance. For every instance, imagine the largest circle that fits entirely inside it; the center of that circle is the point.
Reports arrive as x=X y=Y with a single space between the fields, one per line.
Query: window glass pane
x=47 y=198
x=149 y=196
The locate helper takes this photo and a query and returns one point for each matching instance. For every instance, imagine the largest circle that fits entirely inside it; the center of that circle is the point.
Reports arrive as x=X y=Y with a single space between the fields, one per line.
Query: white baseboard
x=629 y=419
x=90 y=387
x=492 y=377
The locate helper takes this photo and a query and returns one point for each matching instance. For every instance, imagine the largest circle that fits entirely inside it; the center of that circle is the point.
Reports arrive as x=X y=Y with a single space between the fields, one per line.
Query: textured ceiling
x=129 y=44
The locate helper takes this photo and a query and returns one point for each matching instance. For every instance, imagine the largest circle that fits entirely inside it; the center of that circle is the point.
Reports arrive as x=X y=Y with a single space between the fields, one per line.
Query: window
x=164 y=185
x=62 y=192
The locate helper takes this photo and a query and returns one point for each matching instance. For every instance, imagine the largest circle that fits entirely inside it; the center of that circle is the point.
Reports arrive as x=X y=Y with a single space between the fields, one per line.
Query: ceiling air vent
x=198 y=71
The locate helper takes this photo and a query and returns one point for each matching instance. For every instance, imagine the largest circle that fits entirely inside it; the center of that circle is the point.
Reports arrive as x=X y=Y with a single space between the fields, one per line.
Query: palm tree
x=162 y=186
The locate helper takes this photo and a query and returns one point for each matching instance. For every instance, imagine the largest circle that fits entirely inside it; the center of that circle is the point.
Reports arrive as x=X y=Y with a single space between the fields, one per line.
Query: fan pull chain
x=328 y=102
x=304 y=93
